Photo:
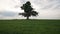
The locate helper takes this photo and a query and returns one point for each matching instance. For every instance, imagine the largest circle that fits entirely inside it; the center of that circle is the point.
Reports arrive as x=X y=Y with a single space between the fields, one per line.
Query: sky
x=47 y=9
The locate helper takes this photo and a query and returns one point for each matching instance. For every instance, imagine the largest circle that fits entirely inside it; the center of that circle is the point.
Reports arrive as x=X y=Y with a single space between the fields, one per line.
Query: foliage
x=28 y=10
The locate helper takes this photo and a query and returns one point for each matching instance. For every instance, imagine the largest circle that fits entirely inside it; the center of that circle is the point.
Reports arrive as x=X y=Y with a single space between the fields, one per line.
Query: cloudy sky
x=47 y=9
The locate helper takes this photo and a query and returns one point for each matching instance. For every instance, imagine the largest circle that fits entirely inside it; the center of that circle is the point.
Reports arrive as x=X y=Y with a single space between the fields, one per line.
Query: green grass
x=29 y=26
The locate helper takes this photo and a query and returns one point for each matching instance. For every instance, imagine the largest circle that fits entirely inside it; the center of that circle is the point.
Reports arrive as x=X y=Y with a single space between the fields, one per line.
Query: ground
x=29 y=26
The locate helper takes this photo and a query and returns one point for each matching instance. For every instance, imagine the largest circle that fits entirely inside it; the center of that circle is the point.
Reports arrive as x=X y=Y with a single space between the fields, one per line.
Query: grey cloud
x=8 y=14
x=47 y=4
x=46 y=8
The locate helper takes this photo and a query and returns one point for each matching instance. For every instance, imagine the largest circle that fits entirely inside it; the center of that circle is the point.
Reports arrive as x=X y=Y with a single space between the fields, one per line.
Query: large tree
x=28 y=10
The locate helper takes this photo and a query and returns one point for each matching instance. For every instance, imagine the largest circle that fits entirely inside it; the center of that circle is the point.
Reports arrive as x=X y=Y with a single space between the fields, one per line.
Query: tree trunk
x=27 y=17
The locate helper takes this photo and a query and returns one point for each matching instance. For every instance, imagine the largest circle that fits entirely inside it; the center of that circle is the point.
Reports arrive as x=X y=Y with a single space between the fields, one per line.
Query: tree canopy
x=28 y=10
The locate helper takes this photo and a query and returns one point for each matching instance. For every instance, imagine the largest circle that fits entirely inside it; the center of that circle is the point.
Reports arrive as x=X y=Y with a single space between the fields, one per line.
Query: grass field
x=29 y=26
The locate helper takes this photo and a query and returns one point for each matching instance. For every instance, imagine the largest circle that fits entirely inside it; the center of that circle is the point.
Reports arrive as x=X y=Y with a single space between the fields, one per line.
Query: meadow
x=29 y=26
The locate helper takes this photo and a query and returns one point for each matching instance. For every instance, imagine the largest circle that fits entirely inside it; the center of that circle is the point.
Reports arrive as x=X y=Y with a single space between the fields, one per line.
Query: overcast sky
x=47 y=9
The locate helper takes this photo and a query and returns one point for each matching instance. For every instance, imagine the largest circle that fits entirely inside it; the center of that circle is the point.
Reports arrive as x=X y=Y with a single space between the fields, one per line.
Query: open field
x=29 y=26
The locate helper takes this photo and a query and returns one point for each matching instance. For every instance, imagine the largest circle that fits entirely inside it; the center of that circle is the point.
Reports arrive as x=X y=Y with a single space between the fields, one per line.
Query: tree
x=28 y=10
